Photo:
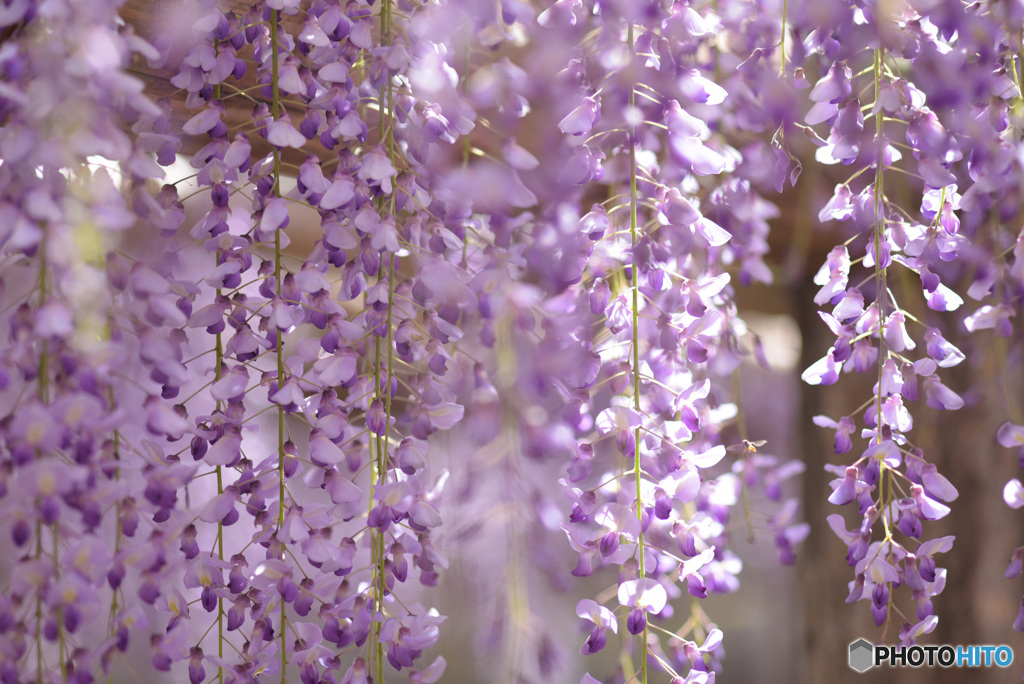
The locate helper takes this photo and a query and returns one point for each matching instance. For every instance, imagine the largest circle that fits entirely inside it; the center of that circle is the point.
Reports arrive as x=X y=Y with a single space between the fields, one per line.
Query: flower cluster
x=74 y=460
x=651 y=324
x=891 y=115
x=293 y=532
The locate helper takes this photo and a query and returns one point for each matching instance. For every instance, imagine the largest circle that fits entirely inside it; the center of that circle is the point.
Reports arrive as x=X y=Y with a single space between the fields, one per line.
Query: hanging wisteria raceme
x=331 y=372
x=74 y=463
x=897 y=120
x=869 y=108
x=661 y=341
x=205 y=390
x=447 y=272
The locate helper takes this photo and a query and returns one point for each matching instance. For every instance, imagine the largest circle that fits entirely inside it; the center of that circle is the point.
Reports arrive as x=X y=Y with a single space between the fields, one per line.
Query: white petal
x=1013 y=493
x=281 y=133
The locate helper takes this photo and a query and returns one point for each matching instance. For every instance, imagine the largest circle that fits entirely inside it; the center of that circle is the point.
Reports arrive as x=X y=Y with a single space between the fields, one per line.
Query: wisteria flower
x=643 y=596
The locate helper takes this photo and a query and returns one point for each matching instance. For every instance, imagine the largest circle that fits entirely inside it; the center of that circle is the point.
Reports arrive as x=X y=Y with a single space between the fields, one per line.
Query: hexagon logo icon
x=862 y=655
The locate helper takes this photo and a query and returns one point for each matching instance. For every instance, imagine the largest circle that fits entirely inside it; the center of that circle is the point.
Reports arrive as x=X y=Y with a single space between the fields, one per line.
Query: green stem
x=44 y=352
x=39 y=606
x=386 y=139
x=467 y=36
x=44 y=397
x=220 y=601
x=117 y=522
x=637 y=467
x=1020 y=58
x=384 y=448
x=377 y=538
x=275 y=111
x=371 y=642
x=516 y=586
x=880 y=278
x=391 y=352
x=782 y=37
x=1002 y=361
x=219 y=349
x=880 y=271
x=380 y=604
x=741 y=426
x=61 y=646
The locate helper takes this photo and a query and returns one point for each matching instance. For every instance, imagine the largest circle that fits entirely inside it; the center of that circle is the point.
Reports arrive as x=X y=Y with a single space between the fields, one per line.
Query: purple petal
x=340 y=193
x=202 y=122
x=217 y=508
x=275 y=215
x=323 y=450
x=582 y=119
x=1010 y=435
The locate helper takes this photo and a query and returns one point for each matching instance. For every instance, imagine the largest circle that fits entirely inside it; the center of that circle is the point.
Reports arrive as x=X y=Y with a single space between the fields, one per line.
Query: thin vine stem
x=275 y=111
x=637 y=466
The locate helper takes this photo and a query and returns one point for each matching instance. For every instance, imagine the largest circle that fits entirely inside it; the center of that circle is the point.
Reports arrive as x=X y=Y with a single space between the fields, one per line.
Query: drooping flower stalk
x=891 y=482
x=118 y=534
x=782 y=38
x=44 y=399
x=275 y=110
x=218 y=367
x=61 y=636
x=381 y=393
x=635 y=271
x=882 y=292
x=747 y=449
